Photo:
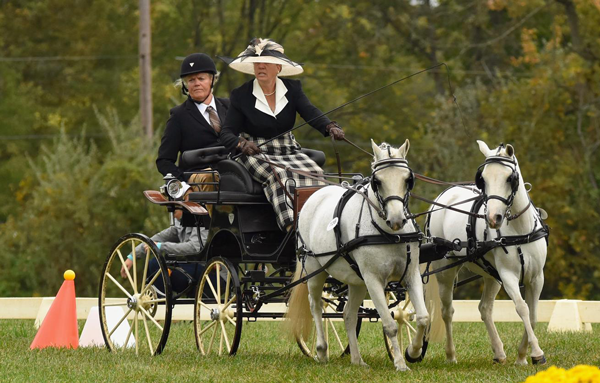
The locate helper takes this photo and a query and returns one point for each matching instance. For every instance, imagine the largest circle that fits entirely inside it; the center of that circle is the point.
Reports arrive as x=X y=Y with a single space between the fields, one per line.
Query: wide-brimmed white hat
x=263 y=51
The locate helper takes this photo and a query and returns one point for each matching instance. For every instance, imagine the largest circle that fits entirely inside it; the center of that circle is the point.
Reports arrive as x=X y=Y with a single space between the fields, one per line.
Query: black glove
x=335 y=131
x=249 y=148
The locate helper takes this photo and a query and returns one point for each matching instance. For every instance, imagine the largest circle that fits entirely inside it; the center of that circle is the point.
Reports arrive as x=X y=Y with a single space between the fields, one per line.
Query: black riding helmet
x=197 y=63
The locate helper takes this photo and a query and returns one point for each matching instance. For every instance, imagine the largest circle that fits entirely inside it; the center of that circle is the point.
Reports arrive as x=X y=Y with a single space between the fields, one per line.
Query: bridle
x=513 y=180
x=375 y=183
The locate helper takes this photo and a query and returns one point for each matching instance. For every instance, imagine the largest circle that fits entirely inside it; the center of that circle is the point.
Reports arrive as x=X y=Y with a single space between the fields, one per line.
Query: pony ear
x=403 y=150
x=483 y=148
x=376 y=150
x=510 y=151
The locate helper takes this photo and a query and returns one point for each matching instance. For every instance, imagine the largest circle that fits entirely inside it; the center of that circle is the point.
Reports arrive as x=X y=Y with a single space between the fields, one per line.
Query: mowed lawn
x=266 y=355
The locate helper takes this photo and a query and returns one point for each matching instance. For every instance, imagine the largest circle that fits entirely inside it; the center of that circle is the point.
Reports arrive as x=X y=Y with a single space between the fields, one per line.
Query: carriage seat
x=236 y=184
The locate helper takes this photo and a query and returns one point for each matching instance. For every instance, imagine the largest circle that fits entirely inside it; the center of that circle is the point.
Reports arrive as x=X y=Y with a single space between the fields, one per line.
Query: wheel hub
x=215 y=314
x=133 y=302
x=401 y=315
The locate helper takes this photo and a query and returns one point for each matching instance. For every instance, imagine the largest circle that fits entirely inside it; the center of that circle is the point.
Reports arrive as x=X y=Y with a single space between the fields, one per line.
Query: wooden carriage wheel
x=134 y=314
x=404 y=314
x=218 y=309
x=335 y=332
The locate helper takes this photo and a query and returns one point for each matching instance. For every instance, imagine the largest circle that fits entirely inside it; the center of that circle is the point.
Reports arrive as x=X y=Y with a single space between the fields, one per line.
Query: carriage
x=248 y=264
x=247 y=260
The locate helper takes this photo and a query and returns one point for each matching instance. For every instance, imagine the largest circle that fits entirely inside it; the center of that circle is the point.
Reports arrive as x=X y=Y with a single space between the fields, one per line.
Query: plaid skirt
x=284 y=151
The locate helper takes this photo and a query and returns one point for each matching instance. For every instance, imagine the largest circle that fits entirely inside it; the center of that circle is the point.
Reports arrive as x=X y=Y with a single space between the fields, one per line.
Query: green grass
x=266 y=355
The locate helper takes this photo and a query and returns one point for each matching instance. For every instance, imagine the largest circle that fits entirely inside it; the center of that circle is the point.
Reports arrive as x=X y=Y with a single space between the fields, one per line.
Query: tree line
x=73 y=158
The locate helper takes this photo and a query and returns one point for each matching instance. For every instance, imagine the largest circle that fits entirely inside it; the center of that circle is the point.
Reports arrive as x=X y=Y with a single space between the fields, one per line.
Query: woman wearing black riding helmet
x=196 y=123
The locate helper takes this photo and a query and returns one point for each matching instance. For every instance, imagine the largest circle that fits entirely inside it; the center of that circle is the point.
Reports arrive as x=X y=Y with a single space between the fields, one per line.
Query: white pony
x=509 y=210
x=378 y=264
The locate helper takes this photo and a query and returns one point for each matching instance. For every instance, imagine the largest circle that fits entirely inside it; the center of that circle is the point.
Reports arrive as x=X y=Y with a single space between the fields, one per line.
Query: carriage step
x=256 y=275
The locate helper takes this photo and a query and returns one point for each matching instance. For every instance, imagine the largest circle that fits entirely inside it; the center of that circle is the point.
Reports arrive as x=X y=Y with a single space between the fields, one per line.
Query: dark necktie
x=214 y=119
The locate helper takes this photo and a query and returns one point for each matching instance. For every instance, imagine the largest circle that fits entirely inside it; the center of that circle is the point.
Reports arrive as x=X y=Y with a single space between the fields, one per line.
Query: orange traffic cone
x=59 y=328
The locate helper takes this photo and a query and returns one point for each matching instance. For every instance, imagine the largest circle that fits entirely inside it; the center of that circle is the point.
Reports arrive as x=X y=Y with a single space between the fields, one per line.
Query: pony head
x=391 y=181
x=498 y=178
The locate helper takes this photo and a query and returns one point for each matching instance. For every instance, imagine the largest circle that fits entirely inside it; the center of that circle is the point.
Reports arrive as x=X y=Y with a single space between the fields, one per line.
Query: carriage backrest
x=202 y=158
x=207 y=157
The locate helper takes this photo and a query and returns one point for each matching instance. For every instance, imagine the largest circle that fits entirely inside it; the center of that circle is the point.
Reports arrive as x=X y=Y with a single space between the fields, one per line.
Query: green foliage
x=76 y=204
x=523 y=72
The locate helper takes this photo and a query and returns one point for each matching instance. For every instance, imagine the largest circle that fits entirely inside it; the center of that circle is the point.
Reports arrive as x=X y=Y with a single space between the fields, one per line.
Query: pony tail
x=298 y=318
x=437 y=331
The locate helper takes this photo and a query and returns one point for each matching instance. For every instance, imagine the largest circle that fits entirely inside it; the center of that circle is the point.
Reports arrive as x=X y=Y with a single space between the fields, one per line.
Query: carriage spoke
x=231 y=321
x=221 y=342
x=212 y=338
x=337 y=336
x=148 y=336
x=410 y=327
x=114 y=304
x=119 y=323
x=219 y=281
x=205 y=305
x=205 y=329
x=151 y=318
x=137 y=339
x=159 y=300
x=406 y=302
x=225 y=336
x=134 y=265
x=228 y=303
x=126 y=271
x=145 y=270
x=217 y=298
x=127 y=338
x=400 y=340
x=118 y=285
x=227 y=290
x=154 y=278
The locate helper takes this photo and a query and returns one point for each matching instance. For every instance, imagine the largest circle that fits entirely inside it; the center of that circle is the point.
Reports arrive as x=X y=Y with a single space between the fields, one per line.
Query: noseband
x=513 y=179
x=391 y=163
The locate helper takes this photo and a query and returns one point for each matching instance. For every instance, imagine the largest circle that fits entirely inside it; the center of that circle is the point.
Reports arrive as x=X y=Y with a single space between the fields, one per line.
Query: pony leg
x=511 y=286
x=446 y=288
x=415 y=291
x=486 y=308
x=390 y=327
x=532 y=296
x=315 y=291
x=356 y=294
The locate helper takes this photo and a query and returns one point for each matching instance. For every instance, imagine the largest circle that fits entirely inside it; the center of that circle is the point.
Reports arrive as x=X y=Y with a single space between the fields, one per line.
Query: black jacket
x=187 y=130
x=244 y=117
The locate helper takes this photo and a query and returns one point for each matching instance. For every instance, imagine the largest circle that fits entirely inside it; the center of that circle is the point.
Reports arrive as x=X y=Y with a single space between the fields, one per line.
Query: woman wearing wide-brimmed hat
x=264 y=108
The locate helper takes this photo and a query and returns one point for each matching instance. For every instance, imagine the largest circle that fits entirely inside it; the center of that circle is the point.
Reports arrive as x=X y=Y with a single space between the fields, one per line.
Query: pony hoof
x=538 y=359
x=499 y=361
x=410 y=359
x=402 y=368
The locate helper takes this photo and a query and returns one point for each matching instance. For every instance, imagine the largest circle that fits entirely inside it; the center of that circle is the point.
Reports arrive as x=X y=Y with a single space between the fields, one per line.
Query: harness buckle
x=457 y=244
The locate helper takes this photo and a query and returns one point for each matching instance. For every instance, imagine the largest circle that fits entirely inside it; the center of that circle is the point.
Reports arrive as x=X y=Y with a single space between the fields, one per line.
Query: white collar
x=202 y=107
x=261 y=101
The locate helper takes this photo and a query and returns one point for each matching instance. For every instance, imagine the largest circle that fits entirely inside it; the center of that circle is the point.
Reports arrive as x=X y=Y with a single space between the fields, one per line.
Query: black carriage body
x=243 y=225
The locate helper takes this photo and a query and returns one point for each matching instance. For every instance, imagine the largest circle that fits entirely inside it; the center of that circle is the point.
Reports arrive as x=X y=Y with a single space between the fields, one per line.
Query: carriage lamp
x=176 y=189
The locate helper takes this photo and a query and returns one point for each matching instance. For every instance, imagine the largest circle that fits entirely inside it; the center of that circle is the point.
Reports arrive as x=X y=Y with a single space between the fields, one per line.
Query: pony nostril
x=498 y=218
